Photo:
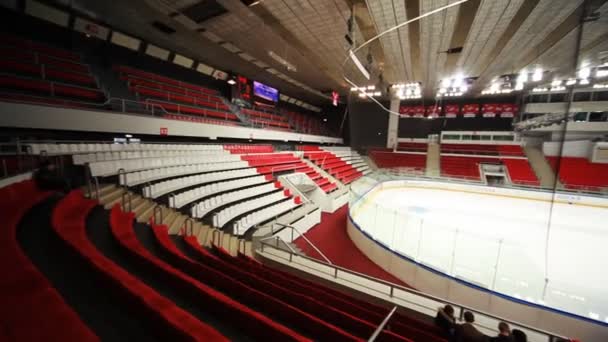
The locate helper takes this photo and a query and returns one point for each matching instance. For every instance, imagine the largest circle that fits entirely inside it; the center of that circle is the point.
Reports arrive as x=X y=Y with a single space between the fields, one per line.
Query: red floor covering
x=331 y=238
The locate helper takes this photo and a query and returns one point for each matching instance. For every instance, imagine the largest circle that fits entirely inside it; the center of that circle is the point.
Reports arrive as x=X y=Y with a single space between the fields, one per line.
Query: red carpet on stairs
x=331 y=238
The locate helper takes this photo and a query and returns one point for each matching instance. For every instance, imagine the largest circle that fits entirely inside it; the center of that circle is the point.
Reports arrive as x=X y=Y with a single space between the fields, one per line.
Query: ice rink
x=506 y=243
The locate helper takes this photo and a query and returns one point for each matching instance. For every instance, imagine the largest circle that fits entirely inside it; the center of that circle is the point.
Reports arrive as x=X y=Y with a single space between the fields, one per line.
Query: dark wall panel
x=421 y=128
x=368 y=125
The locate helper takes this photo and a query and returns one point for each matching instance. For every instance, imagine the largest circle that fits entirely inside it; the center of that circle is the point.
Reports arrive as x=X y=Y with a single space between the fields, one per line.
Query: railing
x=305 y=239
x=392 y=174
x=382 y=324
x=406 y=297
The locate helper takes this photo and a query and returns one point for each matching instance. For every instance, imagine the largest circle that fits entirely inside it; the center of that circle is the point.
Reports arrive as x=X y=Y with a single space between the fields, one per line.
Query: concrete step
x=109 y=199
x=104 y=189
x=177 y=224
x=144 y=211
x=541 y=167
x=205 y=235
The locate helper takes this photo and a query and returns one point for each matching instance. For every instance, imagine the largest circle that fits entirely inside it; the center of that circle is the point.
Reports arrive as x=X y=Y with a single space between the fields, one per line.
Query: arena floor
x=469 y=235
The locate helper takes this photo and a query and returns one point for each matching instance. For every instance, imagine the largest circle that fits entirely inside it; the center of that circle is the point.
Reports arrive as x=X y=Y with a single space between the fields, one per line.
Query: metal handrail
x=186 y=226
x=277 y=239
x=393 y=286
x=307 y=240
x=158 y=210
x=241 y=242
x=126 y=202
x=381 y=326
x=213 y=232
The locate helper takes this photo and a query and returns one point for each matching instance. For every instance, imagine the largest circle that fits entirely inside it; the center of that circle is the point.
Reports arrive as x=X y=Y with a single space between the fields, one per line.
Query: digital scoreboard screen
x=263 y=91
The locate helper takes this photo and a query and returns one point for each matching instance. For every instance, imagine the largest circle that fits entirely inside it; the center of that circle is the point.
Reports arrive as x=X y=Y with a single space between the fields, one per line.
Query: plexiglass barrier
x=512 y=265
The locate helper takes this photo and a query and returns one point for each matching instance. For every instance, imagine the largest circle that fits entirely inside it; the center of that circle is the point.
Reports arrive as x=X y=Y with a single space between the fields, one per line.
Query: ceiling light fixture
x=358 y=64
x=537 y=75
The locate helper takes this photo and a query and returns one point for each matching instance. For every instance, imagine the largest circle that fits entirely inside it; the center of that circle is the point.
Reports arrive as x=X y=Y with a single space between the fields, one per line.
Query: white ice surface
x=459 y=233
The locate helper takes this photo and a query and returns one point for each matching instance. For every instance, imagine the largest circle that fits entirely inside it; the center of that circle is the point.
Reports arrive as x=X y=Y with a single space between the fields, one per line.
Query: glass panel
x=598 y=116
x=582 y=96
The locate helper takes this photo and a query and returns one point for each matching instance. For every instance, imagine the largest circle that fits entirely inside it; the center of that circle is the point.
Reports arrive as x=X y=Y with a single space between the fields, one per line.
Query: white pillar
x=393 y=125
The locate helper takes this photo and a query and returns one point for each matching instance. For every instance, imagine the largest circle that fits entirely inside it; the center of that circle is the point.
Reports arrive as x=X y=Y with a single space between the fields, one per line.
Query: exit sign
x=164 y=131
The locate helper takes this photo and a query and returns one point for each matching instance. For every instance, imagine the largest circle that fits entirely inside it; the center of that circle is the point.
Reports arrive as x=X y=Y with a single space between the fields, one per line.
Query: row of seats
x=37 y=47
x=229 y=289
x=197 y=119
x=65 y=148
x=335 y=166
x=252 y=113
x=161 y=188
x=189 y=196
x=520 y=172
x=389 y=159
x=176 y=108
x=579 y=173
x=160 y=91
x=50 y=72
x=500 y=150
x=256 y=217
x=412 y=146
x=174 y=96
x=146 y=176
x=212 y=161
x=27 y=297
x=83 y=158
x=127 y=70
x=50 y=88
x=249 y=148
x=464 y=167
x=225 y=215
x=205 y=207
x=47 y=70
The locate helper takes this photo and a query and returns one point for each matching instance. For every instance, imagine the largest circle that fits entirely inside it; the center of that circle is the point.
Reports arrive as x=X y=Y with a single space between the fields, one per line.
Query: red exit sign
x=164 y=131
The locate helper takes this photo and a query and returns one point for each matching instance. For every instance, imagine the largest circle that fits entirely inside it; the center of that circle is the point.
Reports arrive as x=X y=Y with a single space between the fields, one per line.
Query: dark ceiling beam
x=464 y=21
x=412 y=10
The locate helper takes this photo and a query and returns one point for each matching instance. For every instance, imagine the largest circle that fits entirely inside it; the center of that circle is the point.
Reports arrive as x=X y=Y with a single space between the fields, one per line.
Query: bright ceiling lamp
x=537 y=75
x=522 y=77
x=584 y=73
x=457 y=81
x=358 y=64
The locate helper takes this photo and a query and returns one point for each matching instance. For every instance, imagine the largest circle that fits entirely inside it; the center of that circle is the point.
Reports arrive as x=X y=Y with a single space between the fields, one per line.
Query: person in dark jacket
x=467 y=332
x=504 y=333
x=445 y=319
x=519 y=336
x=48 y=178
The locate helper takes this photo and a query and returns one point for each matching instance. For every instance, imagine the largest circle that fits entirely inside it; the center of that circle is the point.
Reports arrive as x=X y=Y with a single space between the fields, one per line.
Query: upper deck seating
x=53 y=74
x=176 y=97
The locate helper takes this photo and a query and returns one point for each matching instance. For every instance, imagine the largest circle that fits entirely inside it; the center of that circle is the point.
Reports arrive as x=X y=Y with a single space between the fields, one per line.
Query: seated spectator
x=47 y=178
x=467 y=332
x=519 y=336
x=445 y=319
x=504 y=333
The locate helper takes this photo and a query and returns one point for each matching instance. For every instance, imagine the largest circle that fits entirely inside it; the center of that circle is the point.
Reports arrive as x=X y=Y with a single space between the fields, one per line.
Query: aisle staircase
x=541 y=167
x=146 y=210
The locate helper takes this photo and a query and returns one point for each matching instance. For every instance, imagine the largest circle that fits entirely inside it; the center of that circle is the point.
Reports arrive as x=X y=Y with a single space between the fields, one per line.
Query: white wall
x=580 y=148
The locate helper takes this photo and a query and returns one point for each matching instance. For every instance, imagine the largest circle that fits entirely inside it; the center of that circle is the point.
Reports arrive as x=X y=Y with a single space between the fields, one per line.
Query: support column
x=392 y=135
